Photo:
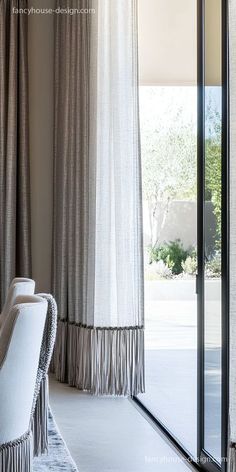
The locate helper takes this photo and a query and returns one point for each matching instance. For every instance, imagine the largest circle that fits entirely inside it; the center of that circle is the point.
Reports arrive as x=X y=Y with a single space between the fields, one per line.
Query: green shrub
x=190 y=265
x=213 y=266
x=158 y=270
x=172 y=259
x=172 y=254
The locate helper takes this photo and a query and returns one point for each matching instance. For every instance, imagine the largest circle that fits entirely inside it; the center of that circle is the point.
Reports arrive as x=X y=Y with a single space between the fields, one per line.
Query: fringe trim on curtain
x=16 y=456
x=103 y=361
x=39 y=423
x=232 y=457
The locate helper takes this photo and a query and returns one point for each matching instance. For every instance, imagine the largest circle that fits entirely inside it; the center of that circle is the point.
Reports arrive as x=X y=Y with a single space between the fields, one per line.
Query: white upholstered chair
x=20 y=343
x=19 y=286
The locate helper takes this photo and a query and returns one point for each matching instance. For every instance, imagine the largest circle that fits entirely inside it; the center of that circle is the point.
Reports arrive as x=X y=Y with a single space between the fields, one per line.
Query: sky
x=173 y=106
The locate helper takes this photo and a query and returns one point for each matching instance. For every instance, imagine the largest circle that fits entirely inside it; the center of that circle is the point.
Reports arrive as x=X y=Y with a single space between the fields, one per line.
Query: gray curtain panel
x=232 y=64
x=14 y=146
x=97 y=235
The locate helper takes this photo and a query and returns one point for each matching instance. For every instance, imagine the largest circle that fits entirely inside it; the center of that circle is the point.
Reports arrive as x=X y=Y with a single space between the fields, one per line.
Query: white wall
x=213 y=41
x=41 y=58
x=181 y=223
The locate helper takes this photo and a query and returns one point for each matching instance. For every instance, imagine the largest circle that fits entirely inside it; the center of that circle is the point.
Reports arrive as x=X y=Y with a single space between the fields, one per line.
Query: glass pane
x=168 y=115
x=168 y=130
x=212 y=357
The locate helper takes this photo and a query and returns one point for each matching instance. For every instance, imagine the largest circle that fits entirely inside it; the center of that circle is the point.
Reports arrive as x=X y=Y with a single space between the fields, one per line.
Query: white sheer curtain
x=114 y=243
x=98 y=250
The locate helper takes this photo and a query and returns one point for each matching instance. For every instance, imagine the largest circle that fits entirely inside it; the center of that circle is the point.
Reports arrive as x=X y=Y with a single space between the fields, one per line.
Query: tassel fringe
x=39 y=424
x=17 y=456
x=103 y=361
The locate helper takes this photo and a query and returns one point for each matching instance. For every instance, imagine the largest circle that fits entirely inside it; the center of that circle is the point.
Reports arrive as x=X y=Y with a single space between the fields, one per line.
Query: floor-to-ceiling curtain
x=14 y=146
x=97 y=235
x=232 y=87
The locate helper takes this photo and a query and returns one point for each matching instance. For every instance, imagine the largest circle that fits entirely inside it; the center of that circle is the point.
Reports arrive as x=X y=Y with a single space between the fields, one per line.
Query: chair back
x=19 y=286
x=20 y=344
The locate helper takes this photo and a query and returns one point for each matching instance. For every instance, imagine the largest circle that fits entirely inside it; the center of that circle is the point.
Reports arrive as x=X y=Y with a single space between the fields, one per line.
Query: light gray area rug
x=58 y=458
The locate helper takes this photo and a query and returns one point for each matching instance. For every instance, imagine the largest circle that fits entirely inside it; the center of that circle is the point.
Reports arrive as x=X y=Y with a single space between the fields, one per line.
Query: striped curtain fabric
x=15 y=254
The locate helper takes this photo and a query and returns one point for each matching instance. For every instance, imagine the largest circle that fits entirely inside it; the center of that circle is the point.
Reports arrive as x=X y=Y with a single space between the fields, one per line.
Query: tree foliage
x=213 y=165
x=169 y=166
x=169 y=163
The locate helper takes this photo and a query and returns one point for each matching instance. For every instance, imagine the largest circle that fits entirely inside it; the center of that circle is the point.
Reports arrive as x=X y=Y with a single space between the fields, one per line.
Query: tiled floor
x=110 y=434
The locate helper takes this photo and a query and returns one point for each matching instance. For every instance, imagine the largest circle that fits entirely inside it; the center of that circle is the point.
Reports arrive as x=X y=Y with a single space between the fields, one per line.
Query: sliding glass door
x=212 y=253
x=169 y=145
x=183 y=115
x=212 y=258
x=168 y=118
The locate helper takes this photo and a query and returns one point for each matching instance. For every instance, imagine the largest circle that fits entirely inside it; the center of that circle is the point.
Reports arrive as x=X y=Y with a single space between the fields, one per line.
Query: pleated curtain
x=97 y=230
x=15 y=255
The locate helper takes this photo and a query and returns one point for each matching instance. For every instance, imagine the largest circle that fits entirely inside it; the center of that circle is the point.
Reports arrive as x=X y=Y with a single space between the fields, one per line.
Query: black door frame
x=225 y=228
x=205 y=462
x=208 y=463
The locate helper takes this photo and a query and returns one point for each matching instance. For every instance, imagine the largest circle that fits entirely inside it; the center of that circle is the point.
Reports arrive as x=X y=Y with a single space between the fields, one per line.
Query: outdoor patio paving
x=171 y=367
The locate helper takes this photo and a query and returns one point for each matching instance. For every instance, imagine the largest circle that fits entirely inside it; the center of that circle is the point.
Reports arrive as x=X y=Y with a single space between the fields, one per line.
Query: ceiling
x=168 y=42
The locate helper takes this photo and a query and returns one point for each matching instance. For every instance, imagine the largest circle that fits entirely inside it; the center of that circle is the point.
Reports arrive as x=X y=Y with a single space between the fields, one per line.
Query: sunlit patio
x=171 y=359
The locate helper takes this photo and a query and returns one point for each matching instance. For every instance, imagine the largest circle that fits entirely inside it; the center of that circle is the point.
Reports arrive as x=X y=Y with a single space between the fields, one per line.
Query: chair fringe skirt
x=16 y=456
x=39 y=423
